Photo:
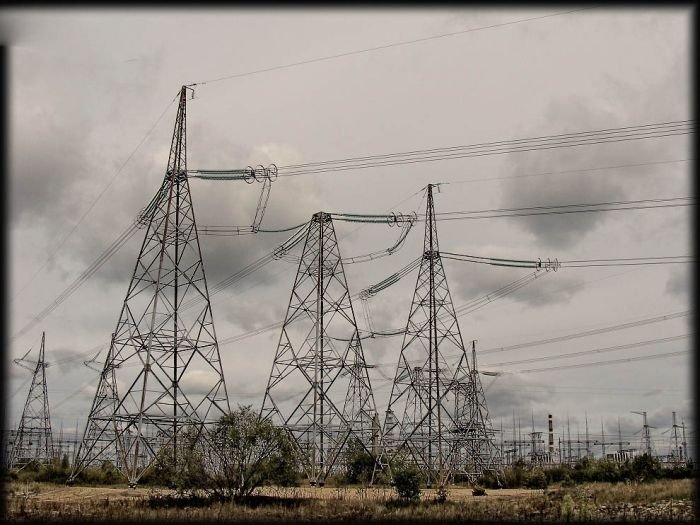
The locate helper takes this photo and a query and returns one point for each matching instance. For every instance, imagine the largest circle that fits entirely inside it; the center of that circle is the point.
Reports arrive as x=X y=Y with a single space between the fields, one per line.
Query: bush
x=646 y=468
x=478 y=491
x=239 y=455
x=537 y=479
x=558 y=473
x=407 y=481
x=359 y=463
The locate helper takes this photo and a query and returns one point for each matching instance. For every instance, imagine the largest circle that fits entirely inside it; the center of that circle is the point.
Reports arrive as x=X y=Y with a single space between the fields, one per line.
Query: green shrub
x=407 y=481
x=646 y=468
x=536 y=479
x=359 y=463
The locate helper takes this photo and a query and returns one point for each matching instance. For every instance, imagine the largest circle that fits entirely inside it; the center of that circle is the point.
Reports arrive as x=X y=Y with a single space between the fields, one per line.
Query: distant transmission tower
x=646 y=435
x=163 y=370
x=319 y=389
x=33 y=440
x=437 y=413
x=476 y=449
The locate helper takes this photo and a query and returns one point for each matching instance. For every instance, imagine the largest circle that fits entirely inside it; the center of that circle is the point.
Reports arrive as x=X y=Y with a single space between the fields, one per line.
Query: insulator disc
x=249 y=174
x=272 y=172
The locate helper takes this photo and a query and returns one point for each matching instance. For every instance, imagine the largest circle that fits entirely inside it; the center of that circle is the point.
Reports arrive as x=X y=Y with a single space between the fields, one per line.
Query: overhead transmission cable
x=608 y=135
x=601 y=363
x=120 y=241
x=561 y=209
x=615 y=348
x=586 y=333
x=384 y=46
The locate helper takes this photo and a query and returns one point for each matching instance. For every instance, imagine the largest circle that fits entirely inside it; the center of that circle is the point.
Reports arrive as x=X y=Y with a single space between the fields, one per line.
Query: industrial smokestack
x=551 y=435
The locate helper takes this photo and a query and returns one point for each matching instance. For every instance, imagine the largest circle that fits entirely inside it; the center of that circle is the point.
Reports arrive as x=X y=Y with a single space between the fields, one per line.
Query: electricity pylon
x=476 y=450
x=319 y=390
x=33 y=440
x=162 y=372
x=646 y=435
x=422 y=420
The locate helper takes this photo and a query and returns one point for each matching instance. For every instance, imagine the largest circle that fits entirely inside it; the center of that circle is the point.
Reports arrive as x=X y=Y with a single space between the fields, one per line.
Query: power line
x=555 y=263
x=615 y=348
x=586 y=333
x=690 y=201
x=123 y=238
x=601 y=363
x=384 y=46
x=621 y=134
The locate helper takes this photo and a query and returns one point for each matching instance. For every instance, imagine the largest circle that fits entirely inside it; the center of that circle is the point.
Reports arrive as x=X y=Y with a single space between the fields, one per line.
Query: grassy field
x=661 y=500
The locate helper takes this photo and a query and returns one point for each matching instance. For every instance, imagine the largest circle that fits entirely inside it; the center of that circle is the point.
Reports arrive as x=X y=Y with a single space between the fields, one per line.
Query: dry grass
x=589 y=501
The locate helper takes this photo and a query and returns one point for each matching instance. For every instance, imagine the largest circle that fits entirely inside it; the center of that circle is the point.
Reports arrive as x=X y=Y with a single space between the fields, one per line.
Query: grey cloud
x=471 y=281
x=679 y=281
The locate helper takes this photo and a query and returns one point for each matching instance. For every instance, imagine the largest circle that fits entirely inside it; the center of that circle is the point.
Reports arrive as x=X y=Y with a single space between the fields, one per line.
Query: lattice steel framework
x=163 y=369
x=319 y=389
x=473 y=434
x=33 y=440
x=434 y=388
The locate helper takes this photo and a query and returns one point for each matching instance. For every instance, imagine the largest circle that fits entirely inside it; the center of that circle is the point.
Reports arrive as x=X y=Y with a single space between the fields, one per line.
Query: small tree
x=360 y=463
x=406 y=480
x=243 y=452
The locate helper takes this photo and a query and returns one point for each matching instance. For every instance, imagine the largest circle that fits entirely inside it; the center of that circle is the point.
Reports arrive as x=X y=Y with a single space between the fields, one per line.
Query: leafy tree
x=646 y=468
x=360 y=463
x=406 y=480
x=243 y=452
x=536 y=479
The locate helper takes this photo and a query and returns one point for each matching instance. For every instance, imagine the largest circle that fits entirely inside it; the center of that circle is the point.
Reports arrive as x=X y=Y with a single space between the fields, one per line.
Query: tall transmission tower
x=33 y=440
x=162 y=372
x=676 y=453
x=476 y=451
x=319 y=389
x=646 y=436
x=437 y=414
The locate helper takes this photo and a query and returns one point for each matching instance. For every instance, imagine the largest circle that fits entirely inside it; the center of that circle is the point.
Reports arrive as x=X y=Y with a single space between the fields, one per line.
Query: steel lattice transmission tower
x=437 y=413
x=474 y=437
x=33 y=440
x=319 y=389
x=163 y=370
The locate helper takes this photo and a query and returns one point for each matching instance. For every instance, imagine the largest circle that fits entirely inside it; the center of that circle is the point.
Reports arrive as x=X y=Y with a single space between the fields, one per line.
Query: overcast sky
x=87 y=86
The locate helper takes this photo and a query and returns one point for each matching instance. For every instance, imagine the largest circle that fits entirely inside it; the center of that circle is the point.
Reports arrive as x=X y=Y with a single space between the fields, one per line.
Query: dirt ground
x=46 y=493
x=664 y=500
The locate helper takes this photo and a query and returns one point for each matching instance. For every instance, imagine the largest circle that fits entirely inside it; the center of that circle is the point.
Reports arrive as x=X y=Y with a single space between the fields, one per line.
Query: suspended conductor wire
x=81 y=279
x=601 y=133
x=611 y=135
x=256 y=265
x=615 y=348
x=601 y=363
x=587 y=333
x=384 y=46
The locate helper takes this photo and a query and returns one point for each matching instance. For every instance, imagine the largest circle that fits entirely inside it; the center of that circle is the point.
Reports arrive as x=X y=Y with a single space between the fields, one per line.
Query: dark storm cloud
x=568 y=230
